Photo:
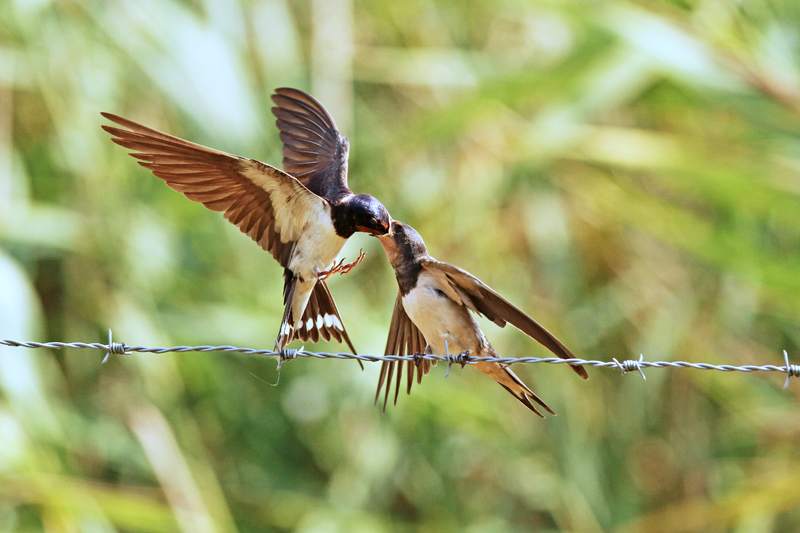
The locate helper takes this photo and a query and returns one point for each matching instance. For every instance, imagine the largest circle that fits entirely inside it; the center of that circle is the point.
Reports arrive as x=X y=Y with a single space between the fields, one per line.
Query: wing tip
x=579 y=369
x=291 y=92
x=114 y=132
x=284 y=90
x=116 y=119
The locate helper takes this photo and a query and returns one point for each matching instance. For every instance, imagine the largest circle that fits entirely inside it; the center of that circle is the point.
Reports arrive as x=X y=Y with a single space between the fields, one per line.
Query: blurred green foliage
x=628 y=172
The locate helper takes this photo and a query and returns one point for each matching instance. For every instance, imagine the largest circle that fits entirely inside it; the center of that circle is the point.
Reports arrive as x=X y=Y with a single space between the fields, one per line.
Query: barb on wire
x=462 y=359
x=630 y=365
x=117 y=348
x=792 y=371
x=284 y=354
x=457 y=358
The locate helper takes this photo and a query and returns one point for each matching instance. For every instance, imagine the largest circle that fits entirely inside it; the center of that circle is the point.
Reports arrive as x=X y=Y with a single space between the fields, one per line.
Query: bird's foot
x=348 y=267
x=325 y=274
x=341 y=268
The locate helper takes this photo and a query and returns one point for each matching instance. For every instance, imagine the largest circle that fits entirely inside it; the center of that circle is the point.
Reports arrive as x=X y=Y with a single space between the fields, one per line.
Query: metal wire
x=114 y=348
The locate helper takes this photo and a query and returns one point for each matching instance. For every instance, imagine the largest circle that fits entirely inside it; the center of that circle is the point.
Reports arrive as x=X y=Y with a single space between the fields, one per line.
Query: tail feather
x=328 y=318
x=512 y=383
x=287 y=333
x=524 y=400
x=321 y=318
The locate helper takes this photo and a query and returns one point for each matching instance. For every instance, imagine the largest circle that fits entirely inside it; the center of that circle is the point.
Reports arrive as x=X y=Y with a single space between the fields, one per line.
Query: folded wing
x=481 y=299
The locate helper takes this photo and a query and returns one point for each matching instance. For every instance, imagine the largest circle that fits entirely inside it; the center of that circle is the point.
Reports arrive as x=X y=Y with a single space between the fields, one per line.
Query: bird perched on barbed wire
x=432 y=314
x=302 y=216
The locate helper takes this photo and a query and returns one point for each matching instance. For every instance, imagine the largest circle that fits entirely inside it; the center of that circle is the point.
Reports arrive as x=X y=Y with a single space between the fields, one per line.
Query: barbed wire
x=629 y=365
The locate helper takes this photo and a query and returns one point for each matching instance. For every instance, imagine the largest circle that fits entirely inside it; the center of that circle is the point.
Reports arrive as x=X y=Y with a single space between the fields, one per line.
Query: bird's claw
x=341 y=268
x=348 y=267
x=325 y=274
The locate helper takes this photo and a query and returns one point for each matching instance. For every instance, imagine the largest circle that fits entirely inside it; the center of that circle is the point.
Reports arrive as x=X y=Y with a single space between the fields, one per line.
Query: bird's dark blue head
x=364 y=213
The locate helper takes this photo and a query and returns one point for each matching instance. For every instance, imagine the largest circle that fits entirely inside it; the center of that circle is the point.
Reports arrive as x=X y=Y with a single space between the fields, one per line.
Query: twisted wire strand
x=462 y=359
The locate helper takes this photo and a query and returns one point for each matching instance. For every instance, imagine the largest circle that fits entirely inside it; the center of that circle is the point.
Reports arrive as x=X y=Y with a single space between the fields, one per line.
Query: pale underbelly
x=315 y=252
x=445 y=325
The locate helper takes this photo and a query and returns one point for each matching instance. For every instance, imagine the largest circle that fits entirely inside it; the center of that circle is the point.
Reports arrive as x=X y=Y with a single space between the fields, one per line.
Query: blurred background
x=628 y=172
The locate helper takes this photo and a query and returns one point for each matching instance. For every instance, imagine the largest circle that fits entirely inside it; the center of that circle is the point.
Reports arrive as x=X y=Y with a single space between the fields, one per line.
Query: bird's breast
x=441 y=319
x=316 y=249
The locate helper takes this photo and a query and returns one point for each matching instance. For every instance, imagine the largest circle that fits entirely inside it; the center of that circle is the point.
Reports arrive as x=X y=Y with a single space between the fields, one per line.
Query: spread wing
x=268 y=205
x=314 y=151
x=404 y=339
x=481 y=299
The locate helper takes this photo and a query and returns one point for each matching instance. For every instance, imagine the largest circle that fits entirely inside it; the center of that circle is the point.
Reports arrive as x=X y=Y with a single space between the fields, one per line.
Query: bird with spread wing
x=302 y=215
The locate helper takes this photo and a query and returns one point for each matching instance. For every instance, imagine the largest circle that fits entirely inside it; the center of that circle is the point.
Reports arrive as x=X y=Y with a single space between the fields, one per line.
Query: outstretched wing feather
x=481 y=299
x=265 y=203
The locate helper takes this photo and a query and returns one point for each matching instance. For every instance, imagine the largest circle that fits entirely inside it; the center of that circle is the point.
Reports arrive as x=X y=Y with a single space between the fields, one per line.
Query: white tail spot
x=333 y=320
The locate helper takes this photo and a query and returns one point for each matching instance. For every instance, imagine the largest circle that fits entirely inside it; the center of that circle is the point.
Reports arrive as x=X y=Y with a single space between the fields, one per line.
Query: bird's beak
x=388 y=230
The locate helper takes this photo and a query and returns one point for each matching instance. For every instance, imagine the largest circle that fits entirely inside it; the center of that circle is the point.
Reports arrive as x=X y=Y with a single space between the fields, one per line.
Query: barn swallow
x=432 y=313
x=302 y=216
